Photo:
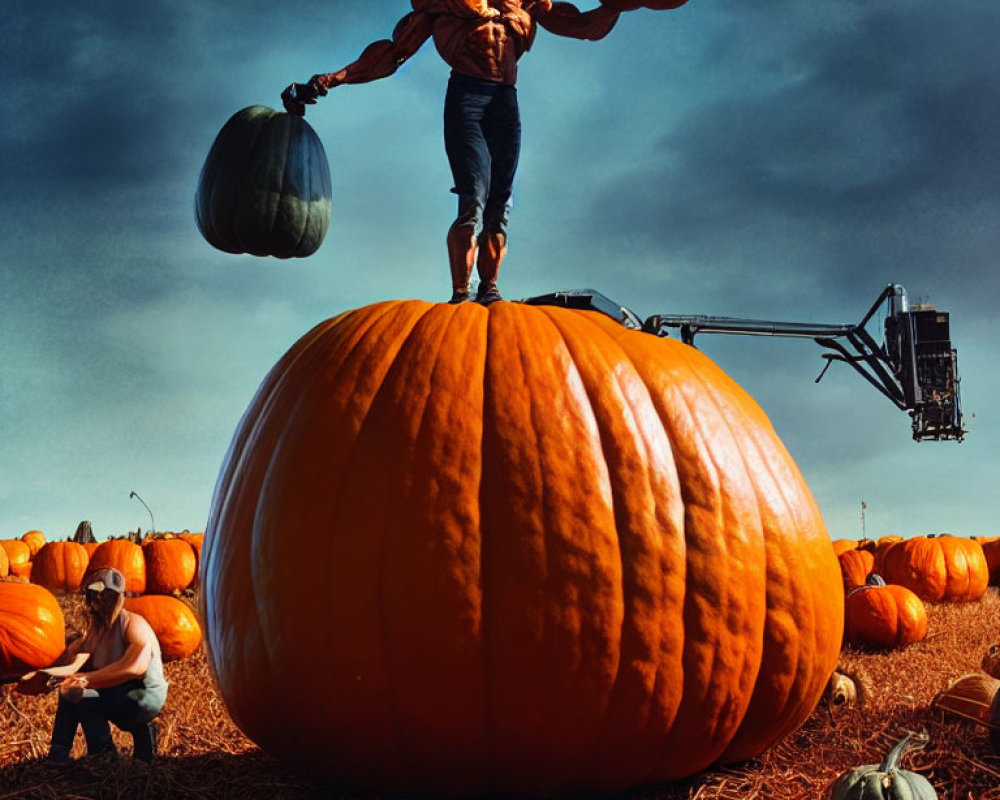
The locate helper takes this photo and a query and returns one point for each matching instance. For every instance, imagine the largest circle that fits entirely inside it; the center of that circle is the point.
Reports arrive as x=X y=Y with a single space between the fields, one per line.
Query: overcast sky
x=768 y=159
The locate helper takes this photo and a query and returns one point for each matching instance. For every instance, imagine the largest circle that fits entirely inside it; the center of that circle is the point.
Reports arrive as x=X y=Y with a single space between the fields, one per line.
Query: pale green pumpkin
x=886 y=781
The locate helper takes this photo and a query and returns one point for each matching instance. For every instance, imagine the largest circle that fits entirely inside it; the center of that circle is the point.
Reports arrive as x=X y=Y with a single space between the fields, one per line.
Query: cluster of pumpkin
x=887 y=581
x=32 y=626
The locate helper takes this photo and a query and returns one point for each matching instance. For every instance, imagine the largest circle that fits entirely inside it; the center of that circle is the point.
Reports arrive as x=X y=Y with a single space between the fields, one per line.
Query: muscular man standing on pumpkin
x=481 y=40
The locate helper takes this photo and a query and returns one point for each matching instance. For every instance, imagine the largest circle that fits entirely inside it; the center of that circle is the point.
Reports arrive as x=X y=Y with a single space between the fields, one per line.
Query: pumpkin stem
x=912 y=741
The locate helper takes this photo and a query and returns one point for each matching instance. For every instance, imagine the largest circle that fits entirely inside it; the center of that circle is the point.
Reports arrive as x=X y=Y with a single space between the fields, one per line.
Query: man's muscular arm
x=565 y=19
x=379 y=60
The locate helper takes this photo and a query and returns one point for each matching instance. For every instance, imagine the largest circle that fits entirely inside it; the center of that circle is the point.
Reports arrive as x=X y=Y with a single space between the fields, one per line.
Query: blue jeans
x=482 y=137
x=128 y=706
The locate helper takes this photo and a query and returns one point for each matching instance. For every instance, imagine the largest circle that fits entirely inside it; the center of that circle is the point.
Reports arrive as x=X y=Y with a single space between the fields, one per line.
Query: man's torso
x=475 y=41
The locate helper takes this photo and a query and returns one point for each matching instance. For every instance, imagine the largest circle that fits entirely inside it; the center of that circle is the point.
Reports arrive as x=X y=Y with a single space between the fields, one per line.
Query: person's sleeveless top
x=154 y=685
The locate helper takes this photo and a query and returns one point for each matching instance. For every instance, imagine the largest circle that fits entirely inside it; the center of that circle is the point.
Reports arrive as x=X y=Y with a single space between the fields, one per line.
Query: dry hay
x=203 y=755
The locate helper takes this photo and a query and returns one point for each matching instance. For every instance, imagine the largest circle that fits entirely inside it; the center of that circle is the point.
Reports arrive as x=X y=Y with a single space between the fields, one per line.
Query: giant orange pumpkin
x=32 y=628
x=126 y=557
x=170 y=565
x=528 y=550
x=937 y=568
x=172 y=620
x=265 y=186
x=60 y=566
x=882 y=615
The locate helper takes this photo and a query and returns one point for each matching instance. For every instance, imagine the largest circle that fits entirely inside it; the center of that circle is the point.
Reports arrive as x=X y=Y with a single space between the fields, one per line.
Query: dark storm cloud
x=876 y=158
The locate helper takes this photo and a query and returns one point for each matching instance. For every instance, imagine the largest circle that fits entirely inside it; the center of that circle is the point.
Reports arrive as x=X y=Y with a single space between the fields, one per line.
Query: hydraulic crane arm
x=915 y=366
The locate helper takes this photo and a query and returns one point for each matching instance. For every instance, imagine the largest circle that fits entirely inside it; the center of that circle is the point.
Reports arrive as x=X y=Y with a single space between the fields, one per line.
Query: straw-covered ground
x=203 y=755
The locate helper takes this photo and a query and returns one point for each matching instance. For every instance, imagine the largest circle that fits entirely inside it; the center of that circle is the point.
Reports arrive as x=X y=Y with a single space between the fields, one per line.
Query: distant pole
x=152 y=522
x=864 y=535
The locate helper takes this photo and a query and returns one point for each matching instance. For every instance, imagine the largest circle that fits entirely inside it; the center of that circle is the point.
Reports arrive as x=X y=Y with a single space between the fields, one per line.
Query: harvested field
x=203 y=755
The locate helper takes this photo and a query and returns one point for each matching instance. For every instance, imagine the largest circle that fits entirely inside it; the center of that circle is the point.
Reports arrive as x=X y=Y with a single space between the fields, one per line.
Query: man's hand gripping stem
x=297 y=96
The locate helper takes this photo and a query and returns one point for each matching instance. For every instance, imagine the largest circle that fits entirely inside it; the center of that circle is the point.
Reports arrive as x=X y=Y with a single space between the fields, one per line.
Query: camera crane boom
x=915 y=365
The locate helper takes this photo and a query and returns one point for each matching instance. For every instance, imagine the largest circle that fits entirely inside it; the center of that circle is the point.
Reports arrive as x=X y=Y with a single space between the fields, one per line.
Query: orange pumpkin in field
x=170 y=565
x=991 y=550
x=35 y=540
x=4 y=563
x=884 y=615
x=32 y=628
x=60 y=566
x=196 y=540
x=18 y=554
x=533 y=552
x=843 y=545
x=172 y=620
x=938 y=568
x=856 y=566
x=126 y=557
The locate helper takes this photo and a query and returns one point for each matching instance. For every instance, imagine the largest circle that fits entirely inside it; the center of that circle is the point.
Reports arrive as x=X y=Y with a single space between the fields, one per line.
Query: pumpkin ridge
x=428 y=570
x=354 y=345
x=670 y=535
x=504 y=393
x=306 y=193
x=810 y=648
x=666 y=428
x=382 y=338
x=348 y=336
x=306 y=190
x=316 y=218
x=562 y=322
x=721 y=410
x=237 y=481
x=249 y=218
x=744 y=445
x=276 y=141
x=313 y=218
x=672 y=403
x=560 y=510
x=234 y=186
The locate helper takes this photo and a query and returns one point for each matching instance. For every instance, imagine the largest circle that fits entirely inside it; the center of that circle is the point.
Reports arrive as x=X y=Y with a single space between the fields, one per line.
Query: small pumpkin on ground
x=969 y=696
x=265 y=186
x=856 y=565
x=124 y=556
x=18 y=554
x=4 y=564
x=886 y=781
x=938 y=568
x=176 y=626
x=882 y=545
x=32 y=628
x=170 y=565
x=60 y=566
x=35 y=540
x=881 y=615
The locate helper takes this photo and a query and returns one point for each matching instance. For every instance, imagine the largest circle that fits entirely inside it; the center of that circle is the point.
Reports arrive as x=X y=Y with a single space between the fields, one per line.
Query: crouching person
x=111 y=675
